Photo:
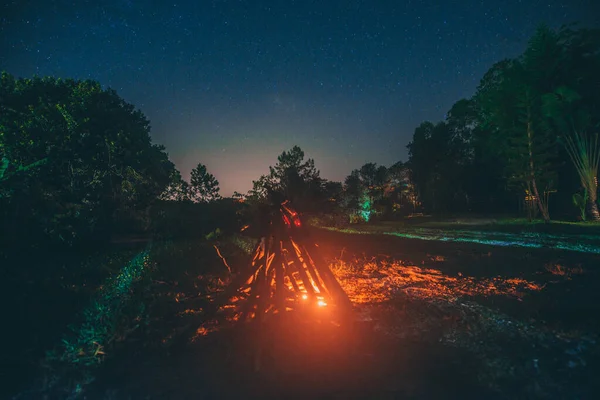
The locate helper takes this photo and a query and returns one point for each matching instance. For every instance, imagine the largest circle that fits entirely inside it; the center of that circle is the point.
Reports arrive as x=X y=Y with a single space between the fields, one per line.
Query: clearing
x=434 y=319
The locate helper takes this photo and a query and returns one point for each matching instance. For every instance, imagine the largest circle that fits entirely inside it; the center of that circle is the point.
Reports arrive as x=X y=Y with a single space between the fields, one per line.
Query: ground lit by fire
x=371 y=282
x=423 y=303
x=495 y=316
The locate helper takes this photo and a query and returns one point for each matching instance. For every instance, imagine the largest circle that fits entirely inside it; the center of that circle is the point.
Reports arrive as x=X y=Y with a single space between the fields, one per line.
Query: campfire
x=287 y=272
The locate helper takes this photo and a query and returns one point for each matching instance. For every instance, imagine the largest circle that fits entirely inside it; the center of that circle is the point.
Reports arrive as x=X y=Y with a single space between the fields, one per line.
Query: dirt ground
x=432 y=320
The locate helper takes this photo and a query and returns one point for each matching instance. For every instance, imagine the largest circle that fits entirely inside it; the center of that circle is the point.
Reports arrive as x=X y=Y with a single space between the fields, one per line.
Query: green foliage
x=510 y=111
x=571 y=119
x=337 y=220
x=366 y=208
x=507 y=137
x=214 y=234
x=245 y=243
x=117 y=309
x=75 y=157
x=374 y=191
x=101 y=318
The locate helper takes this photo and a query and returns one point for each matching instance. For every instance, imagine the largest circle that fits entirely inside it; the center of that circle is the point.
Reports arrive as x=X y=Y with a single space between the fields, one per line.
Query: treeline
x=370 y=191
x=525 y=143
x=78 y=166
x=527 y=140
x=77 y=161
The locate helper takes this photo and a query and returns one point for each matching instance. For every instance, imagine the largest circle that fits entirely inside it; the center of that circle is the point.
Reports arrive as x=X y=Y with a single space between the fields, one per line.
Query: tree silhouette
x=204 y=187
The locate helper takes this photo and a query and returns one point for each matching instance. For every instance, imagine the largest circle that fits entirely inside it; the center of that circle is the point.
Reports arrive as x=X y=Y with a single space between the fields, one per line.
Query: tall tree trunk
x=538 y=199
x=592 y=205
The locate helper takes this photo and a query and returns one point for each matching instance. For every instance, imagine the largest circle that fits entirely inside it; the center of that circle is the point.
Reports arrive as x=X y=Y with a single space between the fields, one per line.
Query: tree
x=356 y=197
x=332 y=194
x=509 y=102
x=353 y=190
x=99 y=166
x=259 y=189
x=364 y=190
x=572 y=108
x=507 y=136
x=437 y=160
x=419 y=155
x=573 y=121
x=399 y=189
x=333 y=190
x=296 y=178
x=204 y=187
x=373 y=179
x=177 y=190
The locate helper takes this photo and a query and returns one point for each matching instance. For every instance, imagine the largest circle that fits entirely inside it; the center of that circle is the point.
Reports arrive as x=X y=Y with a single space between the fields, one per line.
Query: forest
x=100 y=229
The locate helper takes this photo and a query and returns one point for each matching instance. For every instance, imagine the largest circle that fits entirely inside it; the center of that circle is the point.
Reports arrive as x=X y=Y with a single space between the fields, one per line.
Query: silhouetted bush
x=184 y=219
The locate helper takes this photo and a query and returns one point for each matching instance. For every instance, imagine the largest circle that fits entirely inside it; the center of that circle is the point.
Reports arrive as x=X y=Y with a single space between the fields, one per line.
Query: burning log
x=286 y=273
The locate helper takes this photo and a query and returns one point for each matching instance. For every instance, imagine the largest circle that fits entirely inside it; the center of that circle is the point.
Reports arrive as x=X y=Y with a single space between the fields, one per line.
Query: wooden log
x=263 y=292
x=305 y=260
x=290 y=268
x=251 y=302
x=339 y=295
x=279 y=280
x=241 y=281
x=288 y=272
x=310 y=291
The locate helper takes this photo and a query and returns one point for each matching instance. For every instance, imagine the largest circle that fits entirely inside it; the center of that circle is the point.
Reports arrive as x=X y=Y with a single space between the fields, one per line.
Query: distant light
x=304 y=297
x=321 y=303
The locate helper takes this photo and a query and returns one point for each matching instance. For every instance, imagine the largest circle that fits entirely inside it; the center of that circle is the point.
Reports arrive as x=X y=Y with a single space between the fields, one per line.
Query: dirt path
x=435 y=320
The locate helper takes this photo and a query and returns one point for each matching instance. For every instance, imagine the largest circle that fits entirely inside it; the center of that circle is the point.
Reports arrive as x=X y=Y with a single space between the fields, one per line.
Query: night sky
x=232 y=84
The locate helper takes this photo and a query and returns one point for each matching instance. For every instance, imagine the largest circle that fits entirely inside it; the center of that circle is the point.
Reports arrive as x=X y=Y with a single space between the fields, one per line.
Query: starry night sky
x=232 y=84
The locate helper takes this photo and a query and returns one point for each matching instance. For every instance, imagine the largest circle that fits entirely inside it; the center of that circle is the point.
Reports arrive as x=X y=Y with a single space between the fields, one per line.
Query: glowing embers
x=371 y=282
x=206 y=328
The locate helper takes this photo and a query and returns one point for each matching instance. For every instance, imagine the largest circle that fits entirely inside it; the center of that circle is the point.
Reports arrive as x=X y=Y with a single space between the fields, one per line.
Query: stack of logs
x=287 y=270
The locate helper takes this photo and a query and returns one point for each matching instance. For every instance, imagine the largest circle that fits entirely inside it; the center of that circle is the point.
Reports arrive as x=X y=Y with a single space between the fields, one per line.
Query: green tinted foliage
x=494 y=145
x=75 y=157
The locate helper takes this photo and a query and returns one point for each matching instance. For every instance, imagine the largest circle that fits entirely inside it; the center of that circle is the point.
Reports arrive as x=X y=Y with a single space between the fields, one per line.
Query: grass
x=52 y=289
x=578 y=243
x=492 y=307
x=507 y=224
x=507 y=232
x=116 y=309
x=140 y=293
